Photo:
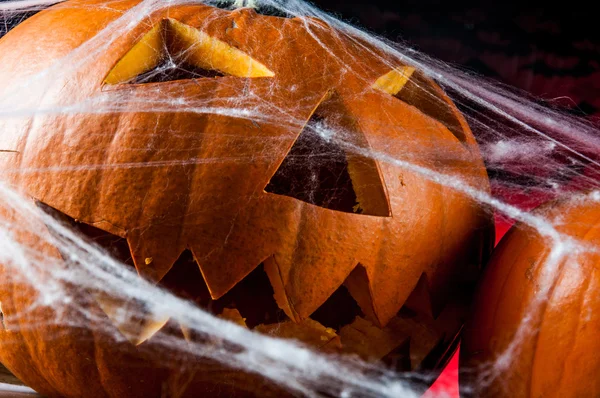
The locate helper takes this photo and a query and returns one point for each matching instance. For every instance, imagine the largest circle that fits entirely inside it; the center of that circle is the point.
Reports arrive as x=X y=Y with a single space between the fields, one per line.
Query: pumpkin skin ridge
x=587 y=283
x=29 y=352
x=543 y=373
x=556 y=282
x=541 y=316
x=50 y=382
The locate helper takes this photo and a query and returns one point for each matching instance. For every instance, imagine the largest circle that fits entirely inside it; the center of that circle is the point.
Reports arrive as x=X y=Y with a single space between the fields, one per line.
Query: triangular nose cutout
x=172 y=50
x=329 y=165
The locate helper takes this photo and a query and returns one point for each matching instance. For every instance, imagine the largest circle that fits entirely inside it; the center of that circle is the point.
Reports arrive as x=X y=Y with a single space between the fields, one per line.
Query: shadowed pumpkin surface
x=238 y=160
x=556 y=354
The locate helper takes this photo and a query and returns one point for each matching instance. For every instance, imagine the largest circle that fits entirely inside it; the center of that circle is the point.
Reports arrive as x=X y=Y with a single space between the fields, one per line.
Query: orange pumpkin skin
x=557 y=357
x=166 y=181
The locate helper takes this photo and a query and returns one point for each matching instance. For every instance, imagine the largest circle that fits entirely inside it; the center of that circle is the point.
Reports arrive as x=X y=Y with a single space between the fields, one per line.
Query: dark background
x=551 y=51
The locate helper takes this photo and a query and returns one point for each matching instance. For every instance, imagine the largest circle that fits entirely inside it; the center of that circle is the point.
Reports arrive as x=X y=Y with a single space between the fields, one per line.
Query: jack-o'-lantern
x=267 y=168
x=536 y=319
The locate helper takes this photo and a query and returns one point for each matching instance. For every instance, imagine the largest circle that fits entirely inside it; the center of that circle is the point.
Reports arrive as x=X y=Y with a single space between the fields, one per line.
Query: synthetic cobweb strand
x=517 y=130
x=511 y=120
x=287 y=363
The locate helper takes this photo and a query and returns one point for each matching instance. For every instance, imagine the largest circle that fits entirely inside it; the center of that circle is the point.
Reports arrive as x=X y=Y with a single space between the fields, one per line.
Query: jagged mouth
x=410 y=341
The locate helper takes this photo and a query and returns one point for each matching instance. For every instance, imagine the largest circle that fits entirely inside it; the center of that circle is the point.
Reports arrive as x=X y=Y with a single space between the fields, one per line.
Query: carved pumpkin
x=555 y=355
x=232 y=158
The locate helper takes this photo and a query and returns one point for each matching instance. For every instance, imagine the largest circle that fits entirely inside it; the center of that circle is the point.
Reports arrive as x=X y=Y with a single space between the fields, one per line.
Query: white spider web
x=533 y=147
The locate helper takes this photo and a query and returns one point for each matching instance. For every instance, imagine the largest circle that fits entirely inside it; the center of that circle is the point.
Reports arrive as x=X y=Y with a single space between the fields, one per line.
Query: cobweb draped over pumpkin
x=530 y=151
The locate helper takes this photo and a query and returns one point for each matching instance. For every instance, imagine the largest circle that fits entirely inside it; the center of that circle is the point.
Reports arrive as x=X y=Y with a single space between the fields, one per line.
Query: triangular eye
x=173 y=69
x=172 y=50
x=412 y=87
x=327 y=166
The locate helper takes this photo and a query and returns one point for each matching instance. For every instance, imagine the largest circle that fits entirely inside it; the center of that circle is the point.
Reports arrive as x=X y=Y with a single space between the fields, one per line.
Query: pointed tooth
x=116 y=311
x=420 y=298
x=153 y=261
x=303 y=282
x=233 y=315
x=381 y=303
x=151 y=327
x=358 y=285
x=225 y=268
x=130 y=318
x=187 y=333
x=429 y=299
x=390 y=289
x=280 y=295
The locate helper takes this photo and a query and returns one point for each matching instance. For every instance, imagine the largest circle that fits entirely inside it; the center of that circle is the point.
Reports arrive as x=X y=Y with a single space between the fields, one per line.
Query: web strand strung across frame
x=525 y=147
